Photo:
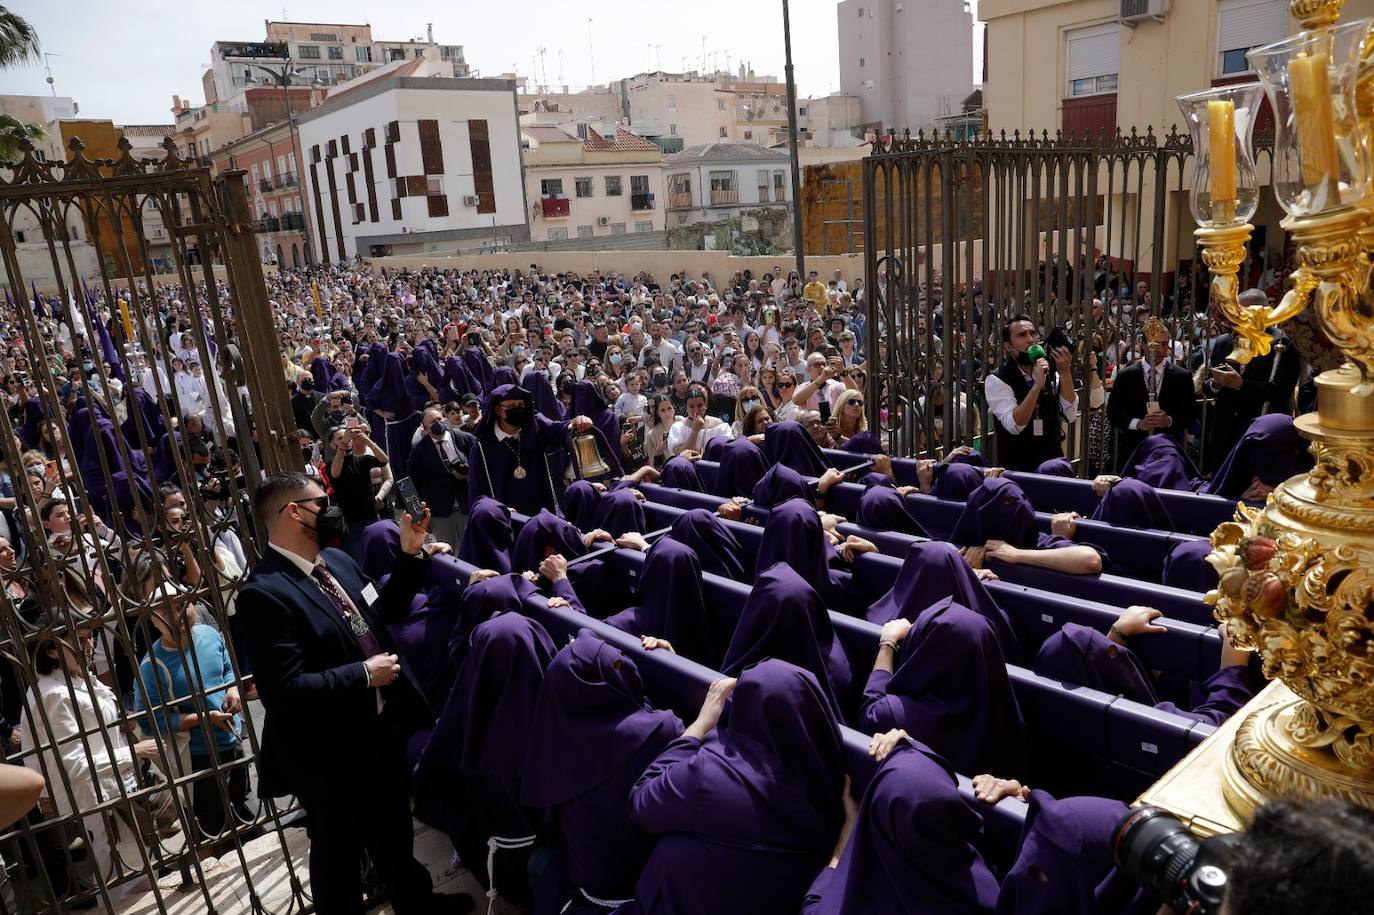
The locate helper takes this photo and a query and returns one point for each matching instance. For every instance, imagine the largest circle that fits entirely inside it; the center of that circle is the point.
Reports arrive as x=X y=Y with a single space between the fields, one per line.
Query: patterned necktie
x=356 y=623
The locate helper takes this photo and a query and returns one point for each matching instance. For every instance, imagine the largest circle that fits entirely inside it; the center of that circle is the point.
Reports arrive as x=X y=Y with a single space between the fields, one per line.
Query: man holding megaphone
x=1030 y=398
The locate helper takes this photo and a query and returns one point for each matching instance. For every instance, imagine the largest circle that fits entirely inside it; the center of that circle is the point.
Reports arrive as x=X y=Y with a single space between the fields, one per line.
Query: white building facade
x=411 y=163
x=608 y=184
x=718 y=180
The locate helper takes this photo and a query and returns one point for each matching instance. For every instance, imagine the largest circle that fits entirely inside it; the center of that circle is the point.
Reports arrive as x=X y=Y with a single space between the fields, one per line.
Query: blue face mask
x=749 y=405
x=616 y=358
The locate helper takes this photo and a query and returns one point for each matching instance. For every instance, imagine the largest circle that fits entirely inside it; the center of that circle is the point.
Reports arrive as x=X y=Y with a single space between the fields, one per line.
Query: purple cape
x=785 y=618
x=1131 y=503
x=389 y=391
x=457 y=381
x=620 y=512
x=371 y=370
x=143 y=415
x=502 y=375
x=592 y=698
x=481 y=602
x=545 y=400
x=742 y=465
x=934 y=571
x=588 y=401
x=479 y=369
x=863 y=443
x=487 y=537
x=996 y=510
x=717 y=549
x=793 y=535
x=680 y=473
x=1161 y=462
x=671 y=604
x=951 y=692
x=714 y=449
x=882 y=508
x=542 y=536
x=1085 y=657
x=423 y=361
x=955 y=481
x=1065 y=864
x=913 y=849
x=1056 y=467
x=778 y=485
x=381 y=546
x=789 y=443
x=1187 y=567
x=1270 y=449
x=592 y=736
x=972 y=458
x=581 y=501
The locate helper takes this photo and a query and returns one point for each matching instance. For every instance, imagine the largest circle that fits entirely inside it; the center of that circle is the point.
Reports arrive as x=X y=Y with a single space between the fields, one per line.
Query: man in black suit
x=1152 y=395
x=340 y=703
x=1243 y=393
x=438 y=465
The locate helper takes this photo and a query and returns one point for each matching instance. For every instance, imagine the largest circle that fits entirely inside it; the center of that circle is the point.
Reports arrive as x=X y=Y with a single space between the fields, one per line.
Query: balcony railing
x=641 y=201
x=270 y=224
x=284 y=181
x=556 y=206
x=680 y=200
x=292 y=221
x=265 y=184
x=723 y=197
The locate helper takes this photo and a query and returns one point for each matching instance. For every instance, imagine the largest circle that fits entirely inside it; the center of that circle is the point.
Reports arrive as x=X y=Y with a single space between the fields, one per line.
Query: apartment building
x=409 y=160
x=715 y=181
x=601 y=184
x=268 y=159
x=910 y=62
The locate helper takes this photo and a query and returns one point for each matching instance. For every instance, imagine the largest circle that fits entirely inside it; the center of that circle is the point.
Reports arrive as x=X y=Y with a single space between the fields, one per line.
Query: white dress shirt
x=1002 y=402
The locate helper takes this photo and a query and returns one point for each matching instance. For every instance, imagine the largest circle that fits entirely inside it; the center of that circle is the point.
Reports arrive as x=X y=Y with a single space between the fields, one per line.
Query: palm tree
x=12 y=132
x=18 y=41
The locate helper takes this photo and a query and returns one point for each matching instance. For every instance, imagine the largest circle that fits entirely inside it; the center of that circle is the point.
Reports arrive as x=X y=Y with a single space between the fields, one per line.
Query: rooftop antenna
x=591 y=49
x=703 y=53
x=47 y=65
x=658 y=56
x=560 y=66
x=543 y=70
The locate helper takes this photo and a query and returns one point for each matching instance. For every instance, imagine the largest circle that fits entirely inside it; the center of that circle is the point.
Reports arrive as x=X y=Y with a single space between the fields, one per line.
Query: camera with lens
x=1156 y=850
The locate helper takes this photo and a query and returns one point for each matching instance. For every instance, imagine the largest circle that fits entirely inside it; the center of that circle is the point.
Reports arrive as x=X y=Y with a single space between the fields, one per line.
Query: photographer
x=350 y=476
x=438 y=465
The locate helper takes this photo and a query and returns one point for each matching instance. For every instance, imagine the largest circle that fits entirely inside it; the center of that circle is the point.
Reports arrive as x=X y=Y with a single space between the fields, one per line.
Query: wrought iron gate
x=100 y=450
x=960 y=235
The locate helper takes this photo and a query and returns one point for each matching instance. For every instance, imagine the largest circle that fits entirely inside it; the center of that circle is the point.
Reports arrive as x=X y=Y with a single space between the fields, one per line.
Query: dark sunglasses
x=856 y=402
x=788 y=384
x=320 y=503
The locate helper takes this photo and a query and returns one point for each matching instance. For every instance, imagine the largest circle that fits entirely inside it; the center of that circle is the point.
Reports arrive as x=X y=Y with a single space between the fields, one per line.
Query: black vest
x=1026 y=450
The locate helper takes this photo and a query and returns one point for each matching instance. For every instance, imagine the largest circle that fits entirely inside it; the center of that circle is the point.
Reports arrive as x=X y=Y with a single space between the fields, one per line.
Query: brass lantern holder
x=1297 y=576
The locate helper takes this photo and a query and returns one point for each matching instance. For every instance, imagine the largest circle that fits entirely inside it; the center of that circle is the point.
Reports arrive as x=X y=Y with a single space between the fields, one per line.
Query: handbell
x=590 y=465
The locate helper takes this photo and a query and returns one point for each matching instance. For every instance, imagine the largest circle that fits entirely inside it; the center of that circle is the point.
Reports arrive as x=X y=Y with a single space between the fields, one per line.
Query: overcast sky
x=124 y=61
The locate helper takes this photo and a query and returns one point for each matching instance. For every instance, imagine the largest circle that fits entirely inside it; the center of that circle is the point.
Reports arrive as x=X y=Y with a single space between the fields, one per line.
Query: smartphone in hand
x=410 y=498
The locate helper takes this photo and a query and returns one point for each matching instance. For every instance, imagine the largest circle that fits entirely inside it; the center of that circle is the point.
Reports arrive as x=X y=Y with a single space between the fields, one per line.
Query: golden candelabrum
x=1297 y=576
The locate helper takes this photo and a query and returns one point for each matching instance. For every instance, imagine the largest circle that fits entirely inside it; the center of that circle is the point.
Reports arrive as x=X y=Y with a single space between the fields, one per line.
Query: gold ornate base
x=1266 y=762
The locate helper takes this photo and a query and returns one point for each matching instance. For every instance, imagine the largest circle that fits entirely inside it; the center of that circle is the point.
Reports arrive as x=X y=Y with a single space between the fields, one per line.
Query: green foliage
x=12 y=133
x=18 y=41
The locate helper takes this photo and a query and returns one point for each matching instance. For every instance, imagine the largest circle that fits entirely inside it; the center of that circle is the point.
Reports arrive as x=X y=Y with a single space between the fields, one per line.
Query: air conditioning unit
x=603 y=220
x=1133 y=11
x=470 y=200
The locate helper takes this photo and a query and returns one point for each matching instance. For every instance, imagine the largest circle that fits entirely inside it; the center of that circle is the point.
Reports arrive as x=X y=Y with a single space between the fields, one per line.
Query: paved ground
x=229 y=890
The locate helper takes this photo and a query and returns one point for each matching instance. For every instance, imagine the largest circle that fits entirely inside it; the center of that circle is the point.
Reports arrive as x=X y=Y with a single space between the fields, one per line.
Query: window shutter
x=1094 y=51
x=1251 y=23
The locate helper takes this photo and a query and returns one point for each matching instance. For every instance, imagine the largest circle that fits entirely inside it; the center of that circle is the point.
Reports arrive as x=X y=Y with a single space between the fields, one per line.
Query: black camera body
x=1155 y=849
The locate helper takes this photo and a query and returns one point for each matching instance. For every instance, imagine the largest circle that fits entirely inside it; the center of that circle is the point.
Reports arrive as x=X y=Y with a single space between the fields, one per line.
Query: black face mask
x=1024 y=359
x=517 y=416
x=307 y=385
x=330 y=526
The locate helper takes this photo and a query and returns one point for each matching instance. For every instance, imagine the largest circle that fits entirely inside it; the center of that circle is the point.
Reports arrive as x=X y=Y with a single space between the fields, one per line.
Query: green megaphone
x=1036 y=351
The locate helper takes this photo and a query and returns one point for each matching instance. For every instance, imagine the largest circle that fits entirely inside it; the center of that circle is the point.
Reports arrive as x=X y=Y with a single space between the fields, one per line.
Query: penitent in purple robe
x=1131 y=503
x=545 y=400
x=592 y=736
x=581 y=501
x=950 y=691
x=934 y=571
x=912 y=851
x=523 y=471
x=487 y=537
x=1271 y=449
x=716 y=547
x=971 y=458
x=481 y=602
x=955 y=481
x=672 y=606
x=589 y=402
x=1056 y=467
x=619 y=513
x=1161 y=462
x=742 y=465
x=789 y=443
x=999 y=510
x=882 y=508
x=780 y=484
x=475 y=757
x=680 y=473
x=863 y=443
x=1082 y=656
x=785 y=618
x=542 y=536
x=793 y=534
x=746 y=819
x=479 y=369
x=1187 y=567
x=1065 y=864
